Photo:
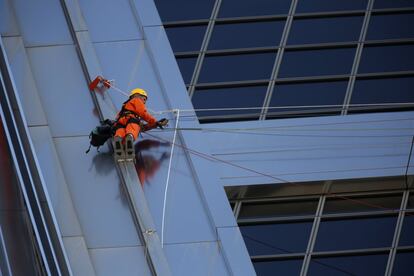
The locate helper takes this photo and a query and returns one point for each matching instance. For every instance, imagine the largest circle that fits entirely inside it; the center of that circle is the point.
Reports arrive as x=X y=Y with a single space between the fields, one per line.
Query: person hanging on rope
x=130 y=122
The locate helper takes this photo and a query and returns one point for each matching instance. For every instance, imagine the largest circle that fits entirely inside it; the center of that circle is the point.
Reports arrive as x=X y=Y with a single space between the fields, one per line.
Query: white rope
x=168 y=177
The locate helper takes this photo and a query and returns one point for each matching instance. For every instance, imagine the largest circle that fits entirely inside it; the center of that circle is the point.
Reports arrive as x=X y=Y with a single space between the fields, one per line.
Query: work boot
x=117 y=144
x=129 y=146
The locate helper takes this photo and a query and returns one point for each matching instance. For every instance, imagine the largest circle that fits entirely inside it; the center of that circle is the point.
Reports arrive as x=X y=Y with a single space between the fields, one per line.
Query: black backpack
x=100 y=134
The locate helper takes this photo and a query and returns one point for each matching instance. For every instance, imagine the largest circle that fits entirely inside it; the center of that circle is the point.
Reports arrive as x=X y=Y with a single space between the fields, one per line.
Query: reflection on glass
x=362 y=204
x=391 y=26
x=237 y=67
x=355 y=233
x=277 y=238
x=387 y=58
x=407 y=236
x=237 y=8
x=187 y=67
x=186 y=38
x=368 y=265
x=175 y=11
x=278 y=209
x=279 y=267
x=235 y=97
x=403 y=264
x=321 y=30
x=330 y=5
x=317 y=62
x=246 y=35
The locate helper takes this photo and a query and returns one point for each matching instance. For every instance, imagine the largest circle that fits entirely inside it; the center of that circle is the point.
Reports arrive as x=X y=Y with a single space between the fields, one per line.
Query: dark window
x=184 y=9
x=237 y=8
x=410 y=204
x=390 y=90
x=308 y=94
x=317 y=62
x=403 y=264
x=321 y=30
x=368 y=265
x=387 y=58
x=330 y=5
x=188 y=38
x=355 y=233
x=278 y=209
x=407 y=231
x=391 y=26
x=246 y=35
x=235 y=97
x=362 y=204
x=277 y=238
x=187 y=67
x=279 y=267
x=385 y=4
x=237 y=67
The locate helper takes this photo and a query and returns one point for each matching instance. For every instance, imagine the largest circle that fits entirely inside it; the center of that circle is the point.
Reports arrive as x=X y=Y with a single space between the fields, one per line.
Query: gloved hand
x=162 y=123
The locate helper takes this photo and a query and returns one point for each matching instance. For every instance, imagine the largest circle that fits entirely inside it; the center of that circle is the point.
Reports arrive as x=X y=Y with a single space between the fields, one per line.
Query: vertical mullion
x=357 y=58
x=397 y=233
x=204 y=45
x=278 y=59
x=312 y=238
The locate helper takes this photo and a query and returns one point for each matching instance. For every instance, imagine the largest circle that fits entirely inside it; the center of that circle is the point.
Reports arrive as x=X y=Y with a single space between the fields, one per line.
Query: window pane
x=362 y=204
x=236 y=8
x=330 y=5
x=387 y=58
x=187 y=67
x=403 y=264
x=368 y=265
x=390 y=90
x=280 y=238
x=355 y=233
x=278 y=209
x=187 y=38
x=184 y=9
x=308 y=94
x=410 y=204
x=237 y=67
x=236 y=97
x=407 y=236
x=246 y=35
x=317 y=62
x=278 y=267
x=390 y=26
x=383 y=4
x=323 y=30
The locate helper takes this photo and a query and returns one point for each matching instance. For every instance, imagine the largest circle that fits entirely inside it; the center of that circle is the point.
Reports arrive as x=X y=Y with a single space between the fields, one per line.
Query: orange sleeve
x=141 y=110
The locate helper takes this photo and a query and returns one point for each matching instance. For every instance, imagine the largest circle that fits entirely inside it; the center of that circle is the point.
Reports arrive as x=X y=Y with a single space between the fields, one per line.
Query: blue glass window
x=387 y=58
x=187 y=67
x=178 y=10
x=246 y=35
x=385 y=4
x=188 y=38
x=237 y=8
x=237 y=67
x=367 y=265
x=317 y=62
x=391 y=26
x=235 y=97
x=279 y=267
x=410 y=204
x=387 y=90
x=308 y=94
x=355 y=233
x=407 y=236
x=278 y=209
x=321 y=30
x=403 y=264
x=362 y=204
x=278 y=238
x=330 y=5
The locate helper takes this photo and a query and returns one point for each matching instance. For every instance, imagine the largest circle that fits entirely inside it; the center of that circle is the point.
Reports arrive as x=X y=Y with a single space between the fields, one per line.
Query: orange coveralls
x=137 y=106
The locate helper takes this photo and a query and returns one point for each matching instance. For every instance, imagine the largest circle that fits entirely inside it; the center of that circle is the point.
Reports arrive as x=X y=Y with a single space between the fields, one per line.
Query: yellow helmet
x=139 y=91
